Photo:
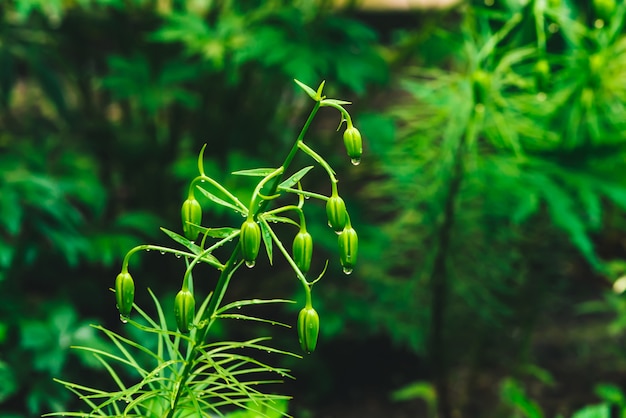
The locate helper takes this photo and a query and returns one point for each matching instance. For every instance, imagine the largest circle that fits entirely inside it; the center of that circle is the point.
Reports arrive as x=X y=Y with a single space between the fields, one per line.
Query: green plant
x=189 y=374
x=501 y=168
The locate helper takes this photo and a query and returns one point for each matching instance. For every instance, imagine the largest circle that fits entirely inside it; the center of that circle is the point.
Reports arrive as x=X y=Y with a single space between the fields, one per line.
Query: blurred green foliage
x=491 y=205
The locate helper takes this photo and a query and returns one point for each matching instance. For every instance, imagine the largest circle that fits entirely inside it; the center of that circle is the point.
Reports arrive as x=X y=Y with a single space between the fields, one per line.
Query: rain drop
x=250 y=264
x=337 y=232
x=238 y=307
x=307 y=196
x=162 y=252
x=355 y=161
x=178 y=256
x=347 y=270
x=147 y=249
x=123 y=319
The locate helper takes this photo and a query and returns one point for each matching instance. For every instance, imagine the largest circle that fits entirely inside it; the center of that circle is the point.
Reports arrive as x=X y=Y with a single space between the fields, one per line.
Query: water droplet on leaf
x=347 y=270
x=250 y=264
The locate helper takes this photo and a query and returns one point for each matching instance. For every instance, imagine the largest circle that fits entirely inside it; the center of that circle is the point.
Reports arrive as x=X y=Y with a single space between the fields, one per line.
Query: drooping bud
x=308 y=329
x=124 y=293
x=191 y=212
x=354 y=144
x=303 y=251
x=184 y=310
x=348 y=249
x=250 y=239
x=336 y=212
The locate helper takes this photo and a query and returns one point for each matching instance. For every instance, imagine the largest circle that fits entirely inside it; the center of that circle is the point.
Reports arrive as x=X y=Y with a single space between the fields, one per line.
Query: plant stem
x=440 y=283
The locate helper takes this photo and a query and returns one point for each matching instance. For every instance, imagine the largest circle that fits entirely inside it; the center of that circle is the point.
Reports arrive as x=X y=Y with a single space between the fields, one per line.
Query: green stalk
x=230 y=267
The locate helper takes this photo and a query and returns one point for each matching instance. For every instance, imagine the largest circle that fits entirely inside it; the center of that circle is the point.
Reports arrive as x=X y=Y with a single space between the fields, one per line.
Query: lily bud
x=191 y=212
x=124 y=293
x=250 y=239
x=354 y=144
x=336 y=213
x=184 y=310
x=303 y=251
x=348 y=249
x=308 y=329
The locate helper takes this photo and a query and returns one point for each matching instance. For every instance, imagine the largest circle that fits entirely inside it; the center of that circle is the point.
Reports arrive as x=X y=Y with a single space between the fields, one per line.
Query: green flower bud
x=250 y=239
x=336 y=213
x=303 y=251
x=184 y=310
x=308 y=329
x=354 y=144
x=191 y=212
x=124 y=293
x=348 y=249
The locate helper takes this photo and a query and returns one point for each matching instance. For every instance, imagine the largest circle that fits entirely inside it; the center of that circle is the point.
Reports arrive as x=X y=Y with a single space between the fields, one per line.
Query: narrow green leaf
x=281 y=219
x=267 y=239
x=249 y=302
x=312 y=94
x=217 y=200
x=295 y=178
x=222 y=232
x=253 y=318
x=255 y=172
x=336 y=101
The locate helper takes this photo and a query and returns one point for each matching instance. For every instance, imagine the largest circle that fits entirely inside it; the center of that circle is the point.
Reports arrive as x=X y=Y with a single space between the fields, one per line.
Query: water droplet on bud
x=347 y=270
x=250 y=264
x=355 y=161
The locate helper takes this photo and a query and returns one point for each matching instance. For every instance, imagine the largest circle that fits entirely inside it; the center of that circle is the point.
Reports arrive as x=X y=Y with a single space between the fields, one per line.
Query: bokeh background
x=490 y=202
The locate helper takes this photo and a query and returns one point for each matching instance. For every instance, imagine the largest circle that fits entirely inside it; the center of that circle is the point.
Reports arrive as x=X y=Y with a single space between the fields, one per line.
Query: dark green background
x=486 y=264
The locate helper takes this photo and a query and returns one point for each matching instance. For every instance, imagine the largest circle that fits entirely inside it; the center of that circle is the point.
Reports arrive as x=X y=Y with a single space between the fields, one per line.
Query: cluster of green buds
x=256 y=228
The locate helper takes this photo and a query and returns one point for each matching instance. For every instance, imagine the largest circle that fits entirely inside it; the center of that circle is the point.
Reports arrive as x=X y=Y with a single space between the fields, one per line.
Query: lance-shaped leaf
x=217 y=200
x=255 y=172
x=295 y=178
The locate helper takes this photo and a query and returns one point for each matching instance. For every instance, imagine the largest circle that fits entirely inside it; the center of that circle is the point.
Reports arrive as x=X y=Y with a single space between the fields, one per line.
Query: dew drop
x=123 y=319
x=147 y=249
x=178 y=256
x=338 y=232
x=202 y=181
x=162 y=252
x=355 y=161
x=238 y=307
x=307 y=196
x=347 y=270
x=250 y=264
x=268 y=351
